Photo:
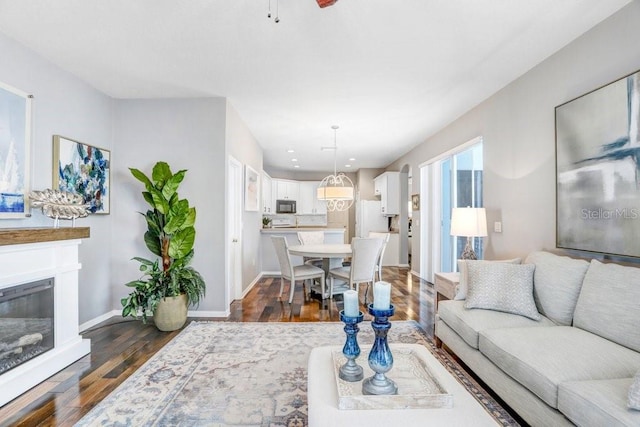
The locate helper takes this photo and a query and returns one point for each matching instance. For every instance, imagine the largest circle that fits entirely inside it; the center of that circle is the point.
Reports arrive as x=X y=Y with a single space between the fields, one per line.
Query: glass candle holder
x=380 y=357
x=351 y=371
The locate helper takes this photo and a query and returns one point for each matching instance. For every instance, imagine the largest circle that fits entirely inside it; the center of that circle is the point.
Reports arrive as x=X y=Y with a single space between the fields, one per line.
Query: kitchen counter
x=276 y=230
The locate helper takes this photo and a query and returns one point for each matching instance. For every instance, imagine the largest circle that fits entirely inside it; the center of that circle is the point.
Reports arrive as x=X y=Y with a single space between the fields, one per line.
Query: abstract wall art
x=251 y=189
x=15 y=143
x=598 y=170
x=82 y=169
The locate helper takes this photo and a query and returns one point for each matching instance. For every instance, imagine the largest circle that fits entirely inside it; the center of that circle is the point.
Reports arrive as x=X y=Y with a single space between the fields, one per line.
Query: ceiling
x=389 y=73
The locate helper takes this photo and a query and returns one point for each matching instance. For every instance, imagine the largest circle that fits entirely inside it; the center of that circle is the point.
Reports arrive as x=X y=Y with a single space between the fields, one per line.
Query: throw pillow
x=634 y=393
x=556 y=284
x=461 y=289
x=502 y=287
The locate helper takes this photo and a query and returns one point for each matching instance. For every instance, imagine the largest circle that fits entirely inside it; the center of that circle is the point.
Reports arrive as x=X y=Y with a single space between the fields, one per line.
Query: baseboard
x=251 y=285
x=218 y=314
x=270 y=273
x=404 y=265
x=415 y=273
x=93 y=322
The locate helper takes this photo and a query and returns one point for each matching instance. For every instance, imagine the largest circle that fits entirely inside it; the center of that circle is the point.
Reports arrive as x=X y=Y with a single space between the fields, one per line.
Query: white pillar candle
x=351 y=303
x=382 y=295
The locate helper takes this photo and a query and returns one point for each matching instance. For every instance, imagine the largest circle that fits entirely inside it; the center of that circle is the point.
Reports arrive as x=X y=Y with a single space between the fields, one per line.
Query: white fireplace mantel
x=32 y=254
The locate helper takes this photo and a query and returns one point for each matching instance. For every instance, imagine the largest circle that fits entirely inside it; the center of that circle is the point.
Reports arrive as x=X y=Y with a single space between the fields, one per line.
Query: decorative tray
x=418 y=388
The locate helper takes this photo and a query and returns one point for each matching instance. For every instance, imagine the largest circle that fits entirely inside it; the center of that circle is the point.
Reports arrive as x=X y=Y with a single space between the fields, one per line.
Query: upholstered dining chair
x=364 y=254
x=291 y=272
x=385 y=237
x=311 y=238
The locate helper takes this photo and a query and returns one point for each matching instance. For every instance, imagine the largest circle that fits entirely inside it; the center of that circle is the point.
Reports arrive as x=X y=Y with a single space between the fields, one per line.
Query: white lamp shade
x=335 y=193
x=468 y=222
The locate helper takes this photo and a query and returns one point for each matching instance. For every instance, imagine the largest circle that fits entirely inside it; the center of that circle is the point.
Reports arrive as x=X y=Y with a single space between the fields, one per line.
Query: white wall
x=187 y=134
x=64 y=105
x=242 y=145
x=518 y=128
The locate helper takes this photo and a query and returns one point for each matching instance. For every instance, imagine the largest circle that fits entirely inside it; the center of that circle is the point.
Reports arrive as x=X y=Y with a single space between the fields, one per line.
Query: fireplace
x=39 y=306
x=26 y=322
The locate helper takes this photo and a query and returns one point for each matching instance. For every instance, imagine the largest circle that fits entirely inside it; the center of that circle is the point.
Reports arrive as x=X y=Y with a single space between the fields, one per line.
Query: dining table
x=331 y=254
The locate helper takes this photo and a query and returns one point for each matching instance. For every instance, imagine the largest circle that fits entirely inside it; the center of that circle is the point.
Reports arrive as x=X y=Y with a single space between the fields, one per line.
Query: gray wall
x=242 y=145
x=517 y=125
x=64 y=105
x=187 y=134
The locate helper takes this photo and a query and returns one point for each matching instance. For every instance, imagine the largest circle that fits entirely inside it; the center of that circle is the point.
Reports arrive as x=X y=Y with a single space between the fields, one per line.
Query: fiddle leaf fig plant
x=170 y=235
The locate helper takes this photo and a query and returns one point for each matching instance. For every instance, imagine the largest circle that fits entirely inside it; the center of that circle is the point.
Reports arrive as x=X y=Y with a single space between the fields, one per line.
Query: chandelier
x=337 y=189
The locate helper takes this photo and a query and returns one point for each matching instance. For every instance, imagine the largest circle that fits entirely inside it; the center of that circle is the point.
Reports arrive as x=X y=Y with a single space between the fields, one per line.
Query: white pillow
x=461 y=289
x=633 y=401
x=502 y=287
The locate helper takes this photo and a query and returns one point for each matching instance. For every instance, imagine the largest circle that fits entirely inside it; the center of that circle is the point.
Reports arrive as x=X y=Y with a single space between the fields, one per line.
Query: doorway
x=233 y=231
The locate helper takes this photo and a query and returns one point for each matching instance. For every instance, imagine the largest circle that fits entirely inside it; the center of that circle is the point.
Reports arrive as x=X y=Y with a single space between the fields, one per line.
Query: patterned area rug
x=245 y=374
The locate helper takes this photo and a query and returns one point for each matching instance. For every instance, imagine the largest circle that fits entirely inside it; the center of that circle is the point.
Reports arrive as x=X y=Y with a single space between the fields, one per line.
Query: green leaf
x=160 y=174
x=140 y=176
x=148 y=198
x=153 y=243
x=191 y=218
x=182 y=243
x=159 y=202
x=171 y=186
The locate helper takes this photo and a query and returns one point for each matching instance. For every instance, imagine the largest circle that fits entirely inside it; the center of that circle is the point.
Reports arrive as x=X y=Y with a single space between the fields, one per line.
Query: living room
x=517 y=125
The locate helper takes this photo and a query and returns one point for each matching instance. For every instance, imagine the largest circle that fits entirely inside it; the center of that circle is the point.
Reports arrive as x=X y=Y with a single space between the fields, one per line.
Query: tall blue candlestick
x=380 y=357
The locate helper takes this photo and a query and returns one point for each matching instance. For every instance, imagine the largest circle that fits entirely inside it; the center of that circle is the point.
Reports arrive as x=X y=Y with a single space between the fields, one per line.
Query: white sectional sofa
x=576 y=363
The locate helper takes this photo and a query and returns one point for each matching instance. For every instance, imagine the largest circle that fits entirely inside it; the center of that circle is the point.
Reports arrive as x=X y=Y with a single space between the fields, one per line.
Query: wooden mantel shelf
x=20 y=236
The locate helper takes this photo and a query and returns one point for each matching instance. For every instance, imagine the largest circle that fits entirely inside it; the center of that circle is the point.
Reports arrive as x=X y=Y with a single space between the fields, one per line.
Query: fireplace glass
x=26 y=322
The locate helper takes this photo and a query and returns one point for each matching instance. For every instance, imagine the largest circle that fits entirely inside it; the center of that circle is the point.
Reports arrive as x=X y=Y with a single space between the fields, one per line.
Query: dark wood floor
x=119 y=346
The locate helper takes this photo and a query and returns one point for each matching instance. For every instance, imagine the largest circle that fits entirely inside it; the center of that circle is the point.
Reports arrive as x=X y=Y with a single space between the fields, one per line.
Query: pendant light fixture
x=337 y=189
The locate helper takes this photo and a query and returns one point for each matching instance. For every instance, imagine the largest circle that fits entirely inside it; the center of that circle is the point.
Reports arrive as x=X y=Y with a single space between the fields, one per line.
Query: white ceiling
x=389 y=73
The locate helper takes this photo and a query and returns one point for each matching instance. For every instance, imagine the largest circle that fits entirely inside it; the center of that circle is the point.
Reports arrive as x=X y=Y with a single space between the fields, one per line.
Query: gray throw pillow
x=502 y=287
x=461 y=288
x=633 y=401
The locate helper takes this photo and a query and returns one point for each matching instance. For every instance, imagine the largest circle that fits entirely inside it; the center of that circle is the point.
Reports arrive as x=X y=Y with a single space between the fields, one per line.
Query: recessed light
x=294 y=160
x=347 y=166
x=352 y=159
x=296 y=166
x=290 y=150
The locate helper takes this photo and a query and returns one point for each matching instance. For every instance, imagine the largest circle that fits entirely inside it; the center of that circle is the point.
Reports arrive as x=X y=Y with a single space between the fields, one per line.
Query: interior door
x=234 y=231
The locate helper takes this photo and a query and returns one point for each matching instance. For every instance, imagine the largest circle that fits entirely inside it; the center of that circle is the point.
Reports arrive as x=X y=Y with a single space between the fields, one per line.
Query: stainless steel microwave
x=285 y=206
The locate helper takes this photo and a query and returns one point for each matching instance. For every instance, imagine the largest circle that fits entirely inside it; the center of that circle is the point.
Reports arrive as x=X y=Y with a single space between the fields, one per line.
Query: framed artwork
x=15 y=152
x=82 y=169
x=415 y=202
x=251 y=188
x=598 y=170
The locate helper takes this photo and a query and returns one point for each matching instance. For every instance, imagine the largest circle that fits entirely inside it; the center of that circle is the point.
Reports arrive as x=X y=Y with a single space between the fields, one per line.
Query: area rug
x=244 y=374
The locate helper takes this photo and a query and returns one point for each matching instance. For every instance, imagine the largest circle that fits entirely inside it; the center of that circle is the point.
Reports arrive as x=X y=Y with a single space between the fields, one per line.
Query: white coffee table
x=322 y=396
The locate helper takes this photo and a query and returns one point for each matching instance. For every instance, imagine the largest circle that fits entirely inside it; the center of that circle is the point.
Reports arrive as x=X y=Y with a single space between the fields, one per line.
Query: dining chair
x=311 y=238
x=291 y=272
x=385 y=237
x=364 y=254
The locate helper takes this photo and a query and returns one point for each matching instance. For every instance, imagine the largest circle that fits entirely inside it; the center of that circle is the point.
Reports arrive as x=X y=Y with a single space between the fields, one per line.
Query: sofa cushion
x=608 y=303
x=543 y=358
x=503 y=287
x=468 y=323
x=597 y=403
x=556 y=284
x=463 y=283
x=633 y=396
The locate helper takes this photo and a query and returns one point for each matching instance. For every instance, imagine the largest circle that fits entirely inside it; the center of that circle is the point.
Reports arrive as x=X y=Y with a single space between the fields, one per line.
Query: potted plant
x=168 y=284
x=266 y=222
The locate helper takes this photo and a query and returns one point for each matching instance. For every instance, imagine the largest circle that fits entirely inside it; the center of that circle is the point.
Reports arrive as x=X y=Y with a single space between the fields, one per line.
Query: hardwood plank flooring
x=120 y=346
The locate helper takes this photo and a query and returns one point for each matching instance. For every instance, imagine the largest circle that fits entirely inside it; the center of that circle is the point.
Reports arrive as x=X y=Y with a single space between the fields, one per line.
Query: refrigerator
x=369 y=218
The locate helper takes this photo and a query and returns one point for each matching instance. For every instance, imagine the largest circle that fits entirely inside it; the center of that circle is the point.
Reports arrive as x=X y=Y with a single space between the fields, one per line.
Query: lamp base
x=468 y=252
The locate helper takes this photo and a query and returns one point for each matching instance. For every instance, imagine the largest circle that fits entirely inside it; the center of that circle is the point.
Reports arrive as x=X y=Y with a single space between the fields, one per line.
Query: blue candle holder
x=351 y=371
x=380 y=357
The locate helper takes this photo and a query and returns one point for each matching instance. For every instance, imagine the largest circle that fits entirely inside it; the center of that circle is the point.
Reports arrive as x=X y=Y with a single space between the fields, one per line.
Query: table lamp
x=469 y=223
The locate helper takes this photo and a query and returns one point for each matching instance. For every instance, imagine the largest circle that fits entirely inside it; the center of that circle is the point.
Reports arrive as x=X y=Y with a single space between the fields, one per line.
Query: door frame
x=234 y=216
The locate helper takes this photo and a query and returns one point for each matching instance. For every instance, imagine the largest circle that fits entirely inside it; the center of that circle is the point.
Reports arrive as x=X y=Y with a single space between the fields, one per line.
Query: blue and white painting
x=83 y=169
x=598 y=170
x=14 y=152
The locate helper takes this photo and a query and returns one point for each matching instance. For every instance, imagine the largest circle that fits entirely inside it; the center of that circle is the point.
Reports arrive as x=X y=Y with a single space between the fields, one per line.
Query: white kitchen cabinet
x=267 y=194
x=308 y=203
x=387 y=186
x=286 y=190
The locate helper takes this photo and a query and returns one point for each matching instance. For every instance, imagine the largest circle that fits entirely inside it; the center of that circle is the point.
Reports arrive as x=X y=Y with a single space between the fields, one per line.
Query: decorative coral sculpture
x=58 y=204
